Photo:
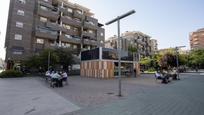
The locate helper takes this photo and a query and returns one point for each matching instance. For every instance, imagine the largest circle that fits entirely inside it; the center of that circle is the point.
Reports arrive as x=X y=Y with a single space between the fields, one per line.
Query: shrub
x=11 y=74
x=151 y=70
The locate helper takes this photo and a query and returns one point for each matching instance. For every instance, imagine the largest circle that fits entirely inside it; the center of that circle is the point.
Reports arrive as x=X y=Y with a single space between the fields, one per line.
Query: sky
x=168 y=21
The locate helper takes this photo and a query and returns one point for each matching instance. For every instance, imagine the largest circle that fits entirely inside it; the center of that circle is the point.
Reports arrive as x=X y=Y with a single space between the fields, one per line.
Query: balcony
x=47 y=4
x=93 y=42
x=90 y=42
x=71 y=21
x=78 y=15
x=140 y=42
x=52 y=25
x=91 y=19
x=65 y=11
x=40 y=23
x=89 y=35
x=90 y=26
x=52 y=35
x=74 y=40
x=48 y=14
x=69 y=31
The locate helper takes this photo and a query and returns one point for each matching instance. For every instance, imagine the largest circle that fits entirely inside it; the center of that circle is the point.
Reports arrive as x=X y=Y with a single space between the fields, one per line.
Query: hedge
x=11 y=74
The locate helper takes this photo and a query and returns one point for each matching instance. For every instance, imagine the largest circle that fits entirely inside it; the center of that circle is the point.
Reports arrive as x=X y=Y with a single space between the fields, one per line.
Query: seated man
x=64 y=77
x=160 y=76
x=47 y=75
x=56 y=80
x=174 y=74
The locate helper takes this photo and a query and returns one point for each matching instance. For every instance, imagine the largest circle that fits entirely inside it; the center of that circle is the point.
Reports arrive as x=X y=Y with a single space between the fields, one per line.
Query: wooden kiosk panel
x=97 y=69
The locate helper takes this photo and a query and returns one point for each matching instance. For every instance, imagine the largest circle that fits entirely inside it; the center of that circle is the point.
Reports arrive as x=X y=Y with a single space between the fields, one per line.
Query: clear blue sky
x=168 y=21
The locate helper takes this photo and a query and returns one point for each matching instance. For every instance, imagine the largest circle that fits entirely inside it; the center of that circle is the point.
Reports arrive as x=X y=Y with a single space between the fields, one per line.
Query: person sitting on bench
x=158 y=75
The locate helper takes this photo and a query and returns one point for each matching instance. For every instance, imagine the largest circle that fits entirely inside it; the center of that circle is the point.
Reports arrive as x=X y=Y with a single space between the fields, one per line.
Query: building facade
x=197 y=39
x=154 y=46
x=143 y=43
x=34 y=25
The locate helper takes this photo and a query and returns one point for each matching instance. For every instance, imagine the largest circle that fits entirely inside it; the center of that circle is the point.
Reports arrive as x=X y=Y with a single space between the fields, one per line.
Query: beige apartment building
x=154 y=46
x=34 y=25
x=197 y=39
x=145 y=45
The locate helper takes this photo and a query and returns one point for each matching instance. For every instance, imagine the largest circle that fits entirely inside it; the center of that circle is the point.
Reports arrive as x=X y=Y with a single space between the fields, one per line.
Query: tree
x=133 y=50
x=44 y=56
x=168 y=60
x=58 y=57
x=196 y=58
x=146 y=61
x=65 y=57
x=183 y=59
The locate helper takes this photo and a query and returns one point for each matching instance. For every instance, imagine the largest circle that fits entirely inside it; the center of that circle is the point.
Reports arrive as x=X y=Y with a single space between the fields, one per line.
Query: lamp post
x=177 y=60
x=48 y=61
x=118 y=18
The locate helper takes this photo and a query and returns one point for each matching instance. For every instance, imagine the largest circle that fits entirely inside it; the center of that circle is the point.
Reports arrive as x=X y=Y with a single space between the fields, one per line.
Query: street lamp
x=177 y=60
x=118 y=18
x=48 y=61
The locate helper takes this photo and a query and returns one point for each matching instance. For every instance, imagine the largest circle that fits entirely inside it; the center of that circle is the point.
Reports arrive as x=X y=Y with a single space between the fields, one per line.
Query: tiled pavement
x=86 y=96
x=27 y=96
x=184 y=97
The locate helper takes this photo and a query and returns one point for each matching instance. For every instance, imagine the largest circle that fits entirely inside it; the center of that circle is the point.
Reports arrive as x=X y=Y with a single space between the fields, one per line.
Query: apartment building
x=34 y=25
x=154 y=46
x=133 y=38
x=197 y=39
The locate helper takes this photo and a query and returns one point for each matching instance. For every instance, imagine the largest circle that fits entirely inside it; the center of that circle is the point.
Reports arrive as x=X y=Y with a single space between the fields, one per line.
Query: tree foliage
x=132 y=49
x=146 y=61
x=168 y=60
x=58 y=57
x=196 y=58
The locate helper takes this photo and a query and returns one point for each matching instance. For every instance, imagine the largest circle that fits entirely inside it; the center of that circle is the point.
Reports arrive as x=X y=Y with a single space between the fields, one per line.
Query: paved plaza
x=87 y=96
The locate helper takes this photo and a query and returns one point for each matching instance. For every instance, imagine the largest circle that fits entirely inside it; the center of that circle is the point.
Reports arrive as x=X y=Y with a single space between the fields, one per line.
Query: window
x=74 y=46
x=77 y=19
x=66 y=26
x=20 y=12
x=21 y=1
x=52 y=43
x=43 y=7
x=66 y=45
x=79 y=11
x=39 y=41
x=102 y=34
x=90 y=54
x=68 y=36
x=46 y=0
x=90 y=31
x=69 y=10
x=18 y=37
x=43 y=19
x=19 y=24
x=75 y=29
x=18 y=52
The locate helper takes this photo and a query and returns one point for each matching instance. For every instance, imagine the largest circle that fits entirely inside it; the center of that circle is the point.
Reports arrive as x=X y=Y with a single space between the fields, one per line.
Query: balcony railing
x=78 y=15
x=90 y=35
x=48 y=13
x=90 y=26
x=71 y=21
x=46 y=33
x=53 y=25
x=70 y=39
